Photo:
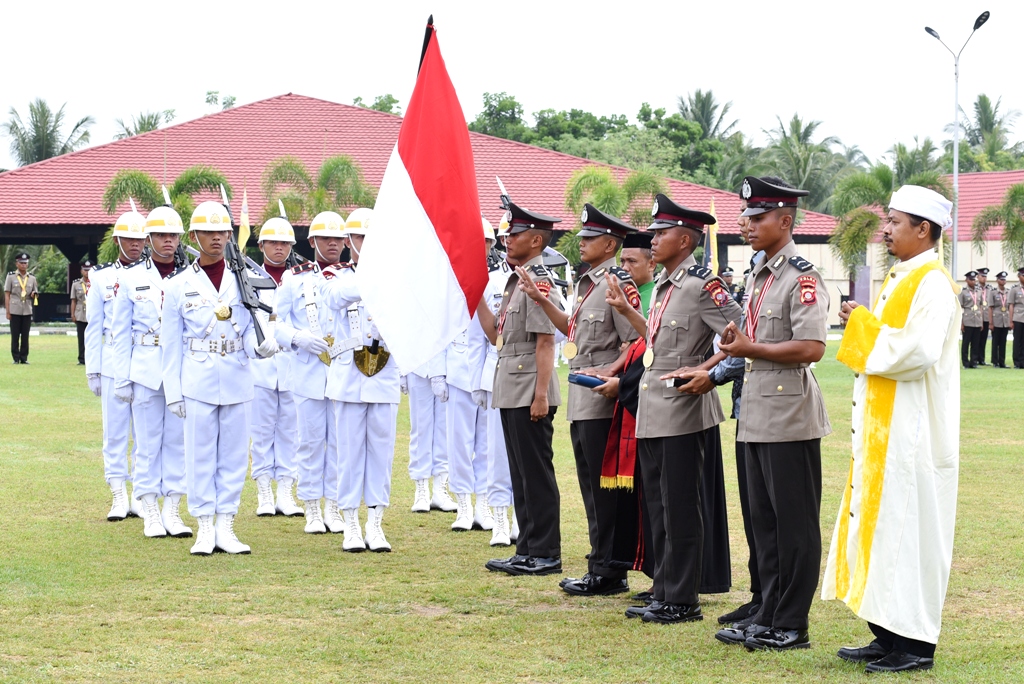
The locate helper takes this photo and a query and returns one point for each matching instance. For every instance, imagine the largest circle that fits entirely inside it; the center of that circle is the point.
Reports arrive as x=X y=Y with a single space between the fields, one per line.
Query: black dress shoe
x=595 y=585
x=534 y=566
x=739 y=633
x=776 y=639
x=639 y=611
x=501 y=564
x=24 y=363
x=865 y=654
x=671 y=613
x=568 y=580
x=898 y=661
x=645 y=596
x=741 y=613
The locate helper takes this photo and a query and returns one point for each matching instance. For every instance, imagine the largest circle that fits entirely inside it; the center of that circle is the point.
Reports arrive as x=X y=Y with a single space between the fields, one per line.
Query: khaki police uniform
x=1017 y=309
x=24 y=290
x=999 y=306
x=973 y=301
x=79 y=290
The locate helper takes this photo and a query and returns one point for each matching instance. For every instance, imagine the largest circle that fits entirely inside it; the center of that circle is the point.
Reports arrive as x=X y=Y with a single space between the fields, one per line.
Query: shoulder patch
x=540 y=271
x=808 y=289
x=544 y=286
x=716 y=289
x=620 y=273
x=700 y=272
x=801 y=264
x=304 y=267
x=632 y=295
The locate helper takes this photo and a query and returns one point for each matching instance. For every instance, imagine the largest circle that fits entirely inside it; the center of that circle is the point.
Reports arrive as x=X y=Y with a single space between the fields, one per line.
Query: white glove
x=177 y=408
x=95 y=383
x=403 y=384
x=268 y=348
x=124 y=393
x=439 y=386
x=480 y=398
x=374 y=333
x=307 y=341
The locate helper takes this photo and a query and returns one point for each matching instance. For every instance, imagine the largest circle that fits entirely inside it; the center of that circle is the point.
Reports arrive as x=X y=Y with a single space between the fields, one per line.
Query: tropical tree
x=1009 y=215
x=502 y=117
x=143 y=123
x=337 y=185
x=43 y=136
x=597 y=185
x=794 y=155
x=702 y=109
x=382 y=103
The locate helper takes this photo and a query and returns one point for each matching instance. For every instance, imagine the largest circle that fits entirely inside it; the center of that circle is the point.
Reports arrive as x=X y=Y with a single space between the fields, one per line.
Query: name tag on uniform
x=191 y=294
x=140 y=289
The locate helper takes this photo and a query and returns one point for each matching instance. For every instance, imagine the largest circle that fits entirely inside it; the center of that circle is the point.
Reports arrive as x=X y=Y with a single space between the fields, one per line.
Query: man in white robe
x=893 y=541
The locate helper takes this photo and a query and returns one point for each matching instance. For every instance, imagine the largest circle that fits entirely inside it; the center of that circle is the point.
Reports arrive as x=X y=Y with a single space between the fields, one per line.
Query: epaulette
x=700 y=271
x=620 y=273
x=103 y=266
x=801 y=264
x=540 y=271
x=175 y=272
x=304 y=267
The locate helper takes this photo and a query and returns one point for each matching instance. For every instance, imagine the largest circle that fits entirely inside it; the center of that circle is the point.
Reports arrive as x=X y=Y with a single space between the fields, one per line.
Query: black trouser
x=80 y=327
x=20 y=326
x=983 y=340
x=748 y=525
x=1018 y=344
x=999 y=346
x=716 y=570
x=969 y=347
x=672 y=484
x=893 y=641
x=534 y=489
x=784 y=485
x=589 y=439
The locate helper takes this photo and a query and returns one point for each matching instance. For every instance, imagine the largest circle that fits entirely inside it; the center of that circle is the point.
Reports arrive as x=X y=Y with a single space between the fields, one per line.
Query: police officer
x=999 y=319
x=129 y=234
x=972 y=300
x=1017 y=319
x=21 y=292
x=79 y=290
x=783 y=417
x=595 y=334
x=208 y=341
x=727 y=275
x=526 y=390
x=159 y=435
x=986 y=291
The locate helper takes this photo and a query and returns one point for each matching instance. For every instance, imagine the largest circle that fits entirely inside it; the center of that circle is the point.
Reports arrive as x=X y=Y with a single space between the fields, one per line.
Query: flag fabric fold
x=711 y=241
x=422 y=269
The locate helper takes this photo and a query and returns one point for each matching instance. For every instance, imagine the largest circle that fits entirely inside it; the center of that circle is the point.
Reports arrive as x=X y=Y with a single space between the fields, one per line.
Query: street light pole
x=978 y=23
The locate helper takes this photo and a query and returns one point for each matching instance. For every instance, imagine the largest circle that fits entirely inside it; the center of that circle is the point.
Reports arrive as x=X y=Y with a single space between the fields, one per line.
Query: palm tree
x=143 y=123
x=740 y=159
x=793 y=155
x=338 y=184
x=701 y=108
x=597 y=185
x=42 y=138
x=1009 y=215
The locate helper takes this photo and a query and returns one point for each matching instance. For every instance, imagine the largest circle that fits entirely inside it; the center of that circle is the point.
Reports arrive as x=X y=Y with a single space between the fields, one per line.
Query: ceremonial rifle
x=247 y=287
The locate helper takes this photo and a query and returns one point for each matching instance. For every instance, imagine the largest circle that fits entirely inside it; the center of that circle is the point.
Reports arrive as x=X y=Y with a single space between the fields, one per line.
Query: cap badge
x=215 y=218
x=654 y=211
x=745 y=191
x=583 y=216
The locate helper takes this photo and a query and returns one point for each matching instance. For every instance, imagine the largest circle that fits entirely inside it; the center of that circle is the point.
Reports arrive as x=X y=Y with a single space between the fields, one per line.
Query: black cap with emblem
x=727 y=271
x=520 y=219
x=86 y=265
x=596 y=223
x=22 y=257
x=1001 y=275
x=762 y=195
x=971 y=275
x=983 y=271
x=638 y=240
x=668 y=214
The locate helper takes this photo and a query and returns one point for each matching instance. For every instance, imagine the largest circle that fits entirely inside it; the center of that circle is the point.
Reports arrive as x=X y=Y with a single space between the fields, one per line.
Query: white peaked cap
x=928 y=204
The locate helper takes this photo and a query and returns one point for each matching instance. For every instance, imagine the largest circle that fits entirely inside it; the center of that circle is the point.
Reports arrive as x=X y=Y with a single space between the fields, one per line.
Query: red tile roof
x=980 y=190
x=242 y=141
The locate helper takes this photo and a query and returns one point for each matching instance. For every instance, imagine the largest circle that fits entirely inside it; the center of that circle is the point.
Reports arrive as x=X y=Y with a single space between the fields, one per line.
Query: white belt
x=146 y=340
x=221 y=347
x=342 y=346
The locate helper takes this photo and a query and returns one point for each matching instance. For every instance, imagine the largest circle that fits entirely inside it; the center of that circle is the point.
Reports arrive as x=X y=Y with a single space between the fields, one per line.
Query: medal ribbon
x=755 y=311
x=23 y=282
x=576 y=313
x=655 y=324
x=504 y=312
x=974 y=298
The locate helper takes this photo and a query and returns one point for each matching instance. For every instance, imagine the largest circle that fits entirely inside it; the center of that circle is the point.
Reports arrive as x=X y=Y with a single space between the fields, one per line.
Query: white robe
x=892 y=546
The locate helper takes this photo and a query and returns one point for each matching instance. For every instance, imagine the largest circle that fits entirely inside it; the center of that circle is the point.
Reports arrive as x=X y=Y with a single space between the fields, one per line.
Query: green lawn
x=82 y=599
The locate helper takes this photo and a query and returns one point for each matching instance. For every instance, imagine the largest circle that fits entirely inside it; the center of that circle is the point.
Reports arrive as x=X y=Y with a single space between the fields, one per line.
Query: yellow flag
x=711 y=243
x=243 y=226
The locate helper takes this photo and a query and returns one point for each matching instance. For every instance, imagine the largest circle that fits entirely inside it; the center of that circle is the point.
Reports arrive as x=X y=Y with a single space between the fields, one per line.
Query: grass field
x=82 y=599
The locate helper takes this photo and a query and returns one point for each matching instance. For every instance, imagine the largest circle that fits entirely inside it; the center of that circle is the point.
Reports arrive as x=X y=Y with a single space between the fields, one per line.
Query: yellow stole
x=858 y=342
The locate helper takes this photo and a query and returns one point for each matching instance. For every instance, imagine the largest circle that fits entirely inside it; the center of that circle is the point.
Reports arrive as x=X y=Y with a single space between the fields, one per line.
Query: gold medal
x=223 y=312
x=570 y=350
x=648 y=358
x=1003 y=309
x=500 y=342
x=974 y=308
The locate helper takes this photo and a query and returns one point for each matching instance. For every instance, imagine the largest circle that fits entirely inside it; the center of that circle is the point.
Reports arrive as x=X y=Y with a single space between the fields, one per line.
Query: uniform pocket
x=520 y=364
x=774 y=383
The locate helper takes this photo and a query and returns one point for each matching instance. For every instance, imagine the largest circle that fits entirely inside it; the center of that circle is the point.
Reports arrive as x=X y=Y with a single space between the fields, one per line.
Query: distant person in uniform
x=79 y=290
x=986 y=290
x=637 y=259
x=972 y=299
x=999 y=319
x=1017 y=319
x=20 y=294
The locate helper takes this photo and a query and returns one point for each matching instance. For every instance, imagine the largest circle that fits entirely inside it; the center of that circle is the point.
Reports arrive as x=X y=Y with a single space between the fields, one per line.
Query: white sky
x=866 y=68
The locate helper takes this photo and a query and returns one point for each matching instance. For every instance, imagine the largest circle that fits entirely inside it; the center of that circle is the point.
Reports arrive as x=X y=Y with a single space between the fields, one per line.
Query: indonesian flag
x=423 y=268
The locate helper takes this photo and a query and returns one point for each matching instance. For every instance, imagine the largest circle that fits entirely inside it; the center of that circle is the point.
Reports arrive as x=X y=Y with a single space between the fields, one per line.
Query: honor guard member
x=595 y=334
x=999 y=319
x=21 y=292
x=129 y=234
x=208 y=341
x=986 y=291
x=79 y=290
x=364 y=384
x=466 y=418
x=1017 y=319
x=159 y=435
x=526 y=390
x=428 y=449
x=691 y=305
x=972 y=299
x=274 y=420
x=783 y=417
x=306 y=326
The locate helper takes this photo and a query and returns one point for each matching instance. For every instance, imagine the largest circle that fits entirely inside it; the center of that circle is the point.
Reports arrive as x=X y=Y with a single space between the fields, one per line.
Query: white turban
x=928 y=204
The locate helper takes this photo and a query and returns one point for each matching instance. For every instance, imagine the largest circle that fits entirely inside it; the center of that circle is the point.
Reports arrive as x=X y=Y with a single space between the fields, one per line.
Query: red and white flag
x=423 y=268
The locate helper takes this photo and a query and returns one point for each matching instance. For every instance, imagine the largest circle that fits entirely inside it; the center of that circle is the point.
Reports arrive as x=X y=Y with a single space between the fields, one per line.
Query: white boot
x=464 y=515
x=171 y=518
x=152 y=525
x=225 y=534
x=441 y=500
x=119 y=509
x=285 y=502
x=332 y=519
x=264 y=497
x=314 y=521
x=421 y=502
x=206 y=539
x=375 y=539
x=499 y=533
x=353 y=535
x=482 y=517
x=134 y=505
x=513 y=532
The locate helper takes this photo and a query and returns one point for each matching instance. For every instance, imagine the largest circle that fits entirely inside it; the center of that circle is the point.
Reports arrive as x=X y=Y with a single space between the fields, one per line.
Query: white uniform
x=273 y=428
x=99 y=358
x=317 y=455
x=428 y=447
x=367 y=407
x=499 y=478
x=207 y=365
x=466 y=423
x=159 y=435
